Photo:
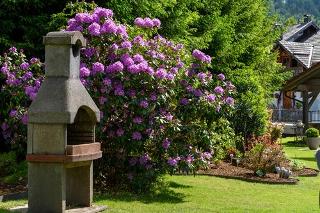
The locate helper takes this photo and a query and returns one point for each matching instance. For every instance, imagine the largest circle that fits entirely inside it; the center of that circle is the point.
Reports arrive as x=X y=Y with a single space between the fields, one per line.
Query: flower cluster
x=20 y=81
x=147 y=22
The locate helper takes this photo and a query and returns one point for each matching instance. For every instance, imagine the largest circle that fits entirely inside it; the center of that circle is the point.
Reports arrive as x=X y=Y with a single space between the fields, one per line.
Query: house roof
x=302 y=52
x=307 y=52
x=296 y=29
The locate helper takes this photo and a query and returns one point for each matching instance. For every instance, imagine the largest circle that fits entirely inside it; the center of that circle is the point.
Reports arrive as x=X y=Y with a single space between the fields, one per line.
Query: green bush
x=312 y=133
x=8 y=163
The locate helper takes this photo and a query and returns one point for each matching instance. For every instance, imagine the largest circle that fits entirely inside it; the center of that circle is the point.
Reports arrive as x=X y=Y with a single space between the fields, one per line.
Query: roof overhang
x=309 y=80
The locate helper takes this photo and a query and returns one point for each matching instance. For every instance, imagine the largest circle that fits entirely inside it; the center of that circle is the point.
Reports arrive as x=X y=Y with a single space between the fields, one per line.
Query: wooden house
x=299 y=51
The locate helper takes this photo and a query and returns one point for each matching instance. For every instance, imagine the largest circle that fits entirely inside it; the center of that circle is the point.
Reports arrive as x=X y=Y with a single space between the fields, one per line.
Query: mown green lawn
x=211 y=194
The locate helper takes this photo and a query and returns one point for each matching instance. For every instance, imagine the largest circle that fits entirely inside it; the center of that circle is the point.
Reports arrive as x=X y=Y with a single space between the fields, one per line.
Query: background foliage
x=296 y=8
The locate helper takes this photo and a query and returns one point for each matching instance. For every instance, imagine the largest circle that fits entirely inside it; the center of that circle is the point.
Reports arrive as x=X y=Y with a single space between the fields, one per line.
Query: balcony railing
x=294 y=115
x=286 y=115
x=314 y=116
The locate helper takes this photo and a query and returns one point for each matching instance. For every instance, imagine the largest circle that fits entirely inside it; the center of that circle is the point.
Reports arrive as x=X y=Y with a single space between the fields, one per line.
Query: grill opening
x=82 y=131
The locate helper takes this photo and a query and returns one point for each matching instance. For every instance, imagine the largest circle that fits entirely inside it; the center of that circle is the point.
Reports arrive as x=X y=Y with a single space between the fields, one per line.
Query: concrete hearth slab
x=92 y=209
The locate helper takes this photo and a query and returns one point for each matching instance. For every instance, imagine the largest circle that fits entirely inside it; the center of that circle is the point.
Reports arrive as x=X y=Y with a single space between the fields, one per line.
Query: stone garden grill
x=61 y=132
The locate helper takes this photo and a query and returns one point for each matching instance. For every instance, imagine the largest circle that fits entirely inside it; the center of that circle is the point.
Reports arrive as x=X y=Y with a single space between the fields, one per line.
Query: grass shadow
x=5 y=210
x=311 y=159
x=176 y=185
x=295 y=144
x=164 y=195
x=256 y=181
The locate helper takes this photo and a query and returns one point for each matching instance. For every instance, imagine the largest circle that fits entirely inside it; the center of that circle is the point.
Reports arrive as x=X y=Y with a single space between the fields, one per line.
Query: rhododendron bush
x=20 y=79
x=157 y=100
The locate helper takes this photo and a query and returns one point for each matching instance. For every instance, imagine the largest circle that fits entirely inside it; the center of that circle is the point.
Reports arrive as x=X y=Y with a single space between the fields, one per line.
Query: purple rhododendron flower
x=197 y=54
x=132 y=93
x=161 y=73
x=138 y=40
x=109 y=27
x=103 y=12
x=107 y=82
x=218 y=108
x=34 y=60
x=120 y=132
x=169 y=117
x=189 y=159
x=114 y=47
x=211 y=97
x=27 y=76
x=115 y=67
x=206 y=155
x=122 y=31
x=102 y=100
x=138 y=58
x=230 y=101
x=97 y=67
x=143 y=66
x=127 y=60
x=156 y=22
x=197 y=92
x=170 y=76
x=174 y=70
x=89 y=52
x=119 y=90
x=219 y=90
x=221 y=77
x=172 y=162
x=201 y=76
x=24 y=66
x=5 y=69
x=126 y=45
x=230 y=86
x=144 y=104
x=84 y=72
x=137 y=120
x=11 y=80
x=13 y=49
x=148 y=23
x=166 y=143
x=13 y=113
x=37 y=83
x=184 y=101
x=4 y=126
x=139 y=22
x=153 y=97
x=134 y=69
x=180 y=64
x=94 y=29
x=144 y=159
x=136 y=136
x=83 y=18
x=25 y=119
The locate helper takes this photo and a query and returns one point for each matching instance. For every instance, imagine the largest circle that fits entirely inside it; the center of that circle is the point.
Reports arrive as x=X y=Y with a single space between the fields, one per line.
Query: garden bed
x=19 y=187
x=227 y=170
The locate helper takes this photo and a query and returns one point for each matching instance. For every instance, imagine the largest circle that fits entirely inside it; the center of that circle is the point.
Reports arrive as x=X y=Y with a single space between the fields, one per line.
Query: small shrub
x=276 y=131
x=312 y=133
x=263 y=158
x=296 y=165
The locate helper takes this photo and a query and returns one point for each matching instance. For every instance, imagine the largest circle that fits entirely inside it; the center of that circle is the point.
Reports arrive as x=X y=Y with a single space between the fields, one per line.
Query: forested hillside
x=297 y=8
